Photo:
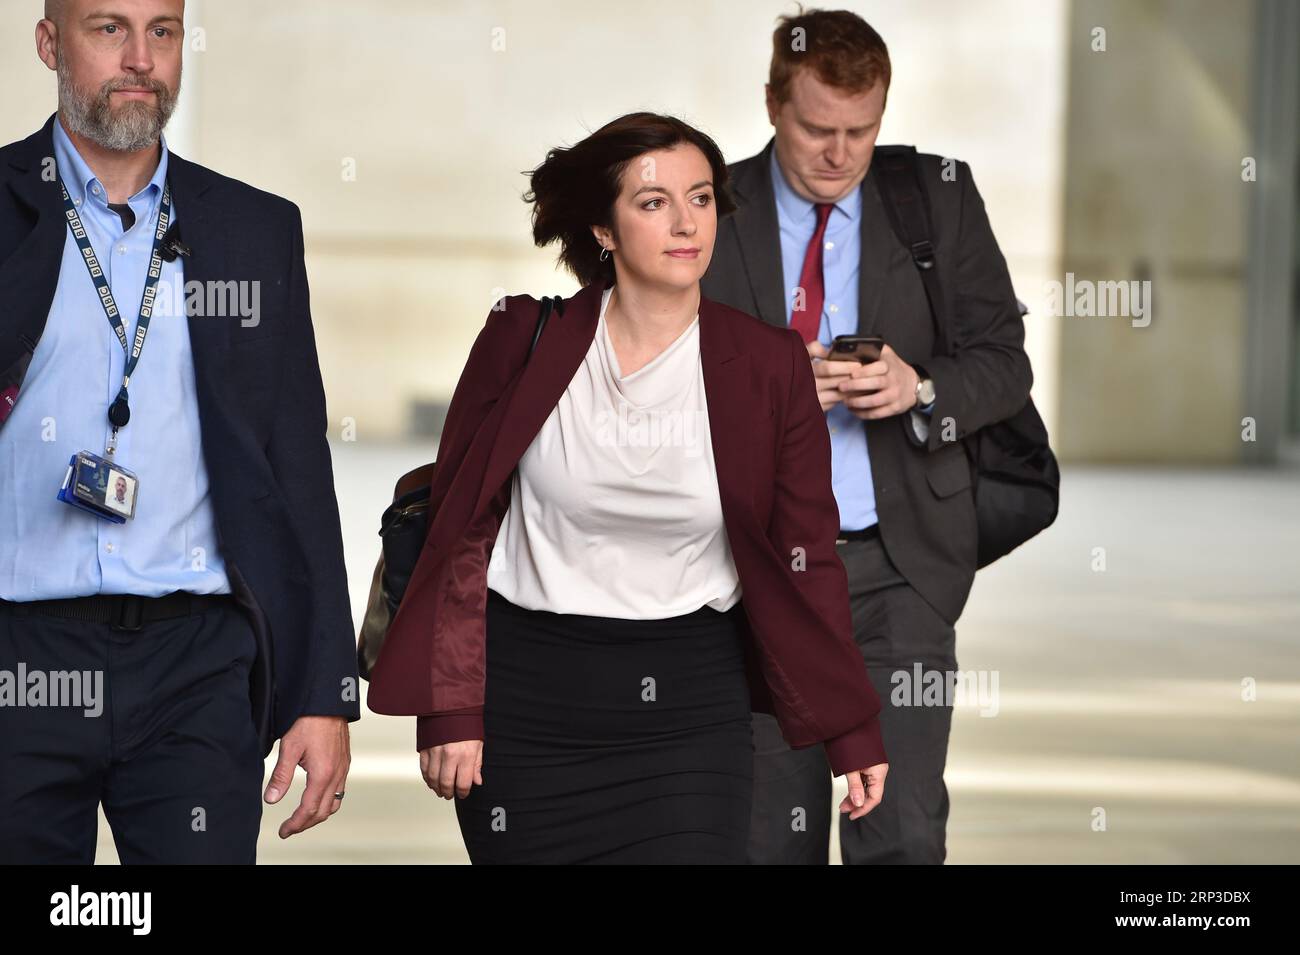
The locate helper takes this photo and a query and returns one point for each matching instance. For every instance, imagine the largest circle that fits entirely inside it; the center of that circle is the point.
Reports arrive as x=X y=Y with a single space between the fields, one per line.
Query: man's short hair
x=840 y=48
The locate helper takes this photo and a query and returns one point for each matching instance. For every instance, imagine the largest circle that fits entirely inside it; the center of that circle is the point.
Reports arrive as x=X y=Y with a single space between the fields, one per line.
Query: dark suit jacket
x=261 y=410
x=923 y=496
x=772 y=456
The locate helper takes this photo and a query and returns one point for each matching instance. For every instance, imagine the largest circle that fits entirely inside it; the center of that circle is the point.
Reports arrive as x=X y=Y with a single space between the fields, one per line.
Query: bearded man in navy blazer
x=156 y=321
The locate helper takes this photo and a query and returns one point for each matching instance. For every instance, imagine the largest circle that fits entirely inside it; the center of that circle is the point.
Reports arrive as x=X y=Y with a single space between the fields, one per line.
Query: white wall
x=405 y=261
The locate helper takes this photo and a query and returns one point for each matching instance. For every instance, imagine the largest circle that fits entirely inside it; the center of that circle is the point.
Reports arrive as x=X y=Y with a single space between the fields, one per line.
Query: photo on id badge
x=102 y=486
x=122 y=493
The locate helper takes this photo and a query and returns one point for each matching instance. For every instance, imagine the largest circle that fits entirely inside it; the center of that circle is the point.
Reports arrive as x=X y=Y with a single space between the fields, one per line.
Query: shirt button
x=109 y=548
x=121 y=250
x=834 y=308
x=95 y=189
x=833 y=431
x=829 y=246
x=76 y=202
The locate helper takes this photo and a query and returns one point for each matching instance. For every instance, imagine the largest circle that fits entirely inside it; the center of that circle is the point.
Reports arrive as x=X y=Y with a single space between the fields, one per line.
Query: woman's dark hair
x=576 y=187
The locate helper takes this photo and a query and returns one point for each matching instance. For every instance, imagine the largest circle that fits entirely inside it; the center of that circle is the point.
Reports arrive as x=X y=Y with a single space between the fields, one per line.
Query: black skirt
x=609 y=740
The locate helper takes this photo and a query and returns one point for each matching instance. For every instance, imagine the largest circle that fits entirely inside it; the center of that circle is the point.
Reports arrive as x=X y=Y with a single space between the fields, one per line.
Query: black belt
x=123 y=611
x=866 y=534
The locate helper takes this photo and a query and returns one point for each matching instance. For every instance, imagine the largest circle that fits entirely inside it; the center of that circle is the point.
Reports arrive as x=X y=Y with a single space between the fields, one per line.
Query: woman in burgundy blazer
x=772 y=456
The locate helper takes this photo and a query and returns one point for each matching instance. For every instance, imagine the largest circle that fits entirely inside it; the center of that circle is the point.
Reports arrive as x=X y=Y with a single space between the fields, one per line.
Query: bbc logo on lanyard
x=93 y=483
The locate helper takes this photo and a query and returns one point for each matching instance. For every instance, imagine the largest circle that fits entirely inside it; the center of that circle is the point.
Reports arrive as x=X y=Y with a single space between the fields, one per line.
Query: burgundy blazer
x=773 y=461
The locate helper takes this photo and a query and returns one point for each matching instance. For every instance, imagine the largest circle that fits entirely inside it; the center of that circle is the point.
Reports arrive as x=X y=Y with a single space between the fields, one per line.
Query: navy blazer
x=261 y=411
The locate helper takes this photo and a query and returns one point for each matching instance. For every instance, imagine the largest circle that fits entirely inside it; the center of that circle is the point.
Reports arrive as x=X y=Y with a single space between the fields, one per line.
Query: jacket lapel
x=732 y=410
x=201 y=227
x=758 y=231
x=537 y=390
x=29 y=276
x=877 y=251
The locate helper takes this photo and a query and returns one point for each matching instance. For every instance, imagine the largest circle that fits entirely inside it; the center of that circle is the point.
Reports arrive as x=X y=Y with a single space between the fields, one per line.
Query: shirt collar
x=81 y=181
x=795 y=208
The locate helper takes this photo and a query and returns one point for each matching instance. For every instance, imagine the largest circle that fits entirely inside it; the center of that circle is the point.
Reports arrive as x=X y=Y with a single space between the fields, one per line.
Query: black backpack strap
x=907 y=206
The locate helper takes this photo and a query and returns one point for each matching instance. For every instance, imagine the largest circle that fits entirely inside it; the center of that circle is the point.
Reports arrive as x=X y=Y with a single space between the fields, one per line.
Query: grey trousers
x=790 y=822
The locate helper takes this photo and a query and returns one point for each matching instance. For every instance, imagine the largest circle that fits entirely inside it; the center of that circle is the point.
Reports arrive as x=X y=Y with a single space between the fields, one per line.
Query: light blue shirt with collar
x=49 y=549
x=855 y=494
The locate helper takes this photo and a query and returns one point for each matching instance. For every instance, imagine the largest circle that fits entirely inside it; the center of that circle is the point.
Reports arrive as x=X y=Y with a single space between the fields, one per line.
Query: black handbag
x=402 y=531
x=1014 y=474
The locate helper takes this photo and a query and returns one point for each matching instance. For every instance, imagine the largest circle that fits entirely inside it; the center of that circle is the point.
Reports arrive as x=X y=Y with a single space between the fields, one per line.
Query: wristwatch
x=924 y=393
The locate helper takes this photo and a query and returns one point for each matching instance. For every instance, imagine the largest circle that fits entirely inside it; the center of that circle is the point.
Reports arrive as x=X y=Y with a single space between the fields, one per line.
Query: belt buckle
x=130 y=614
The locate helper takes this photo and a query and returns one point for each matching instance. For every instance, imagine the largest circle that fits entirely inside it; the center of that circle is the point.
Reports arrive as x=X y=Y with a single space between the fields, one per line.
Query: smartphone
x=849 y=347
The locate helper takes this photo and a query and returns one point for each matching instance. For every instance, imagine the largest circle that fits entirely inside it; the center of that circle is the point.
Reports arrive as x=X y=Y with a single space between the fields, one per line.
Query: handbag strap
x=549 y=304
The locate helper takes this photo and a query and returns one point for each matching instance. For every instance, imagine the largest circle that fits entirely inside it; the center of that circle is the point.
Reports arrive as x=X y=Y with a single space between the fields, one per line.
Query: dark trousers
x=792 y=807
x=171 y=753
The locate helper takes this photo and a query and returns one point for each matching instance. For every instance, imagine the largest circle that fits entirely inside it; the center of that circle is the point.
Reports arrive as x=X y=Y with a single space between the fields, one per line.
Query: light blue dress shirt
x=850 y=463
x=49 y=549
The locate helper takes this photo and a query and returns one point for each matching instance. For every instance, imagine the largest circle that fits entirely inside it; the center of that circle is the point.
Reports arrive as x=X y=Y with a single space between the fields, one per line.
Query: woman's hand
x=858 y=803
x=450 y=769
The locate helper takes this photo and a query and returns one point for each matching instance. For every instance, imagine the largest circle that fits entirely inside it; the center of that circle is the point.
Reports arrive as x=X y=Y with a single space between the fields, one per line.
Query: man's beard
x=134 y=125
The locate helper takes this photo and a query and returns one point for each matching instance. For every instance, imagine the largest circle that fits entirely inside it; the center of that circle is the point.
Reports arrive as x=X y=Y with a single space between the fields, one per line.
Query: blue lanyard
x=119 y=413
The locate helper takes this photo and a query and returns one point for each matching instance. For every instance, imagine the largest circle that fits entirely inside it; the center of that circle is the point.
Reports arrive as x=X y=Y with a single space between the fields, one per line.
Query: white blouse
x=614 y=510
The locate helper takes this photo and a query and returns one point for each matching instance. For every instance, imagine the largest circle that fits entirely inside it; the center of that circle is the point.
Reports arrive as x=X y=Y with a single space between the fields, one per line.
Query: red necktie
x=809 y=319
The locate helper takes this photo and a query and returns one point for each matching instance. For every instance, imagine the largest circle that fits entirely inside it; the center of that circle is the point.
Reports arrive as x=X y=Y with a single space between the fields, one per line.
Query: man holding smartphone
x=811 y=248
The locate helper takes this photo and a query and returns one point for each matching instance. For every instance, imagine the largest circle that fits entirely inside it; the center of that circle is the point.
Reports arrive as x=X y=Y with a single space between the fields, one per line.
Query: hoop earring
x=604 y=253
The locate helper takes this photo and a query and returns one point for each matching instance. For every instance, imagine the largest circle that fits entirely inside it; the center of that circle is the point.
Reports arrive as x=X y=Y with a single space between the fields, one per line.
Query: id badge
x=101 y=486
